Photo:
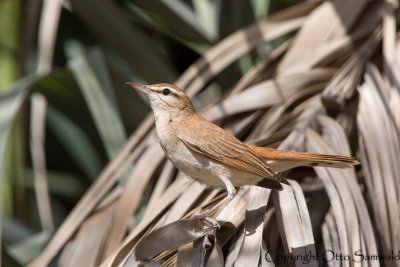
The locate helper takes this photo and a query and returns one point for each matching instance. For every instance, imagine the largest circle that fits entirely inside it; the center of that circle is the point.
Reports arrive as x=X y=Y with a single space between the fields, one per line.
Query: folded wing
x=219 y=145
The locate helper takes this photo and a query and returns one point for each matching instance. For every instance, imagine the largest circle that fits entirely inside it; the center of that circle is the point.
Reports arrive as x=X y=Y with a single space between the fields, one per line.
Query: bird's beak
x=141 y=88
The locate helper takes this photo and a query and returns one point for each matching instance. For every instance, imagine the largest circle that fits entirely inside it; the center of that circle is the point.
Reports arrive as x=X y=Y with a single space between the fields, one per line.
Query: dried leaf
x=380 y=148
x=37 y=126
x=128 y=202
x=267 y=93
x=85 y=249
x=47 y=35
x=251 y=248
x=326 y=24
x=172 y=235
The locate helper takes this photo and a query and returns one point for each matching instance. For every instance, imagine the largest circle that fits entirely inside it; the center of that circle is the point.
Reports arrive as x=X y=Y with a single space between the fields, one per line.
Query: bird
x=213 y=156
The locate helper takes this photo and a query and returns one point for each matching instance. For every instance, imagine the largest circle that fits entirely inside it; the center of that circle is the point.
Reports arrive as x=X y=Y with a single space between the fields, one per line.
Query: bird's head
x=164 y=97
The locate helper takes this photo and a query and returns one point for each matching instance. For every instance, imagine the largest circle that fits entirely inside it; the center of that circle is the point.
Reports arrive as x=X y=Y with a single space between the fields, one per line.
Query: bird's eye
x=166 y=91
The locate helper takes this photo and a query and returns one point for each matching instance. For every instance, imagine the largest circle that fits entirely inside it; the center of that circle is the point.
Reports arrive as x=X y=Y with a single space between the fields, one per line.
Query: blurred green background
x=97 y=46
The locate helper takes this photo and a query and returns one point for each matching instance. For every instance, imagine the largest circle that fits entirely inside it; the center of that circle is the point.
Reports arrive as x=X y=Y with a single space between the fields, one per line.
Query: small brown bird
x=212 y=156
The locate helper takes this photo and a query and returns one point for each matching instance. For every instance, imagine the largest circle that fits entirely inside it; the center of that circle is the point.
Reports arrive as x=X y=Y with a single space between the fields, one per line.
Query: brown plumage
x=281 y=160
x=211 y=155
x=212 y=141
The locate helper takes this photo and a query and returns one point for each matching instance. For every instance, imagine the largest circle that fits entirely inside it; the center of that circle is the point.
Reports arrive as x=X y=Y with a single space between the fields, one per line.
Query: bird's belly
x=196 y=166
x=206 y=170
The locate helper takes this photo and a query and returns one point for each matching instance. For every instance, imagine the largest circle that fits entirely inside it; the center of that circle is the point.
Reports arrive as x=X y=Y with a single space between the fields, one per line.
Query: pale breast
x=196 y=165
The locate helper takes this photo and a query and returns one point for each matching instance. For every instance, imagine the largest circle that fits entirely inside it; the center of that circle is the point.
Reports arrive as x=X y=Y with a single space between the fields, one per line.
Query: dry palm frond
x=39 y=106
x=380 y=150
x=286 y=102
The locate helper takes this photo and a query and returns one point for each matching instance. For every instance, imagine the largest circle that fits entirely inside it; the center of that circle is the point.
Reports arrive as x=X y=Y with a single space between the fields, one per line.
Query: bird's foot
x=208 y=221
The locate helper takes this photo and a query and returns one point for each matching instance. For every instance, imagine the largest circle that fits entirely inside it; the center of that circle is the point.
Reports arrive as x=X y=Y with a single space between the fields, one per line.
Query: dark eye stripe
x=170 y=92
x=161 y=91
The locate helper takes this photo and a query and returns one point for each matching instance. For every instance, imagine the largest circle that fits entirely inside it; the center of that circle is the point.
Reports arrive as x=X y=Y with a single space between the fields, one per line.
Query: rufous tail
x=281 y=160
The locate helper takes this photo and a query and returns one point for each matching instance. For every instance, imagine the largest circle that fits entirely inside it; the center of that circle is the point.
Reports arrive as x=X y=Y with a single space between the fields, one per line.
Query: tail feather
x=281 y=160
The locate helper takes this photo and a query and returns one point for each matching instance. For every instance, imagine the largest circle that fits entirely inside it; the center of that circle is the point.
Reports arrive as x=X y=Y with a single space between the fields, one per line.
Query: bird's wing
x=210 y=140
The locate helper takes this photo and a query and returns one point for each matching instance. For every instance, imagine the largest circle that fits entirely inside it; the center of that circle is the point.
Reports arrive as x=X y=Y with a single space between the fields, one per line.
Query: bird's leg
x=231 y=194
